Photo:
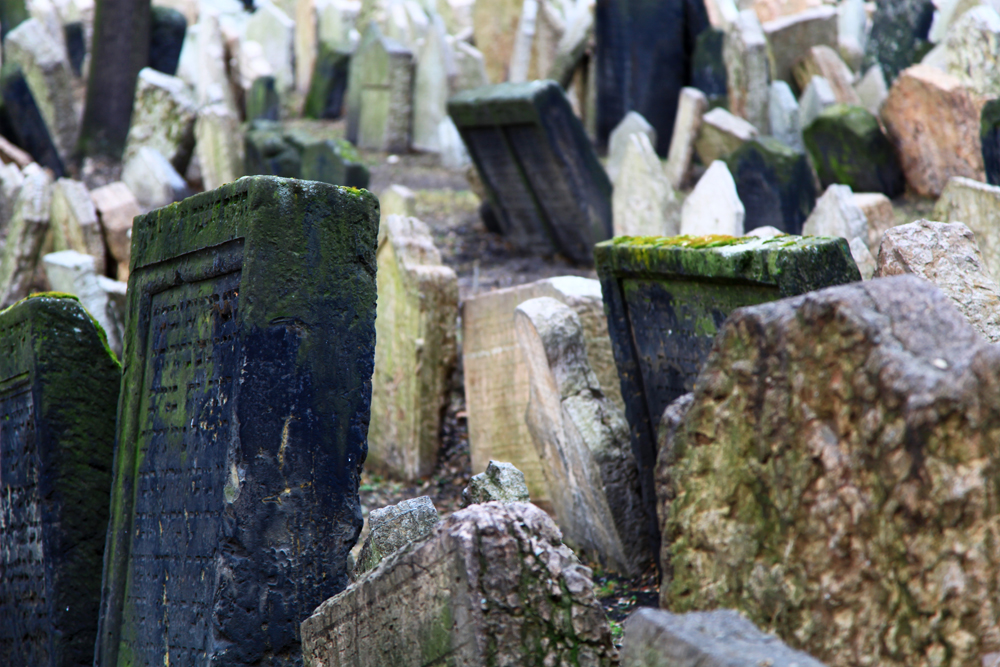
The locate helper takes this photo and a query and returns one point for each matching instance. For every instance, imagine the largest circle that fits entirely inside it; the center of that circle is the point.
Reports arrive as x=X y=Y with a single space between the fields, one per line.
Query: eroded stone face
x=501 y=481
x=394 y=527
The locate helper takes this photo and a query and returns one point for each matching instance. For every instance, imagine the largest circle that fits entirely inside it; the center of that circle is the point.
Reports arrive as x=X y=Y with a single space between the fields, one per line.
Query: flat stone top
x=502 y=104
x=931 y=76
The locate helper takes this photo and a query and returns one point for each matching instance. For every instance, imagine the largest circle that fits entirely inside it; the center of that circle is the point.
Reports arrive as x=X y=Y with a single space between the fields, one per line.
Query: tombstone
x=167 y=27
x=431 y=87
x=973 y=50
x=872 y=90
x=687 y=125
x=57 y=407
x=269 y=153
x=394 y=527
x=262 y=101
x=152 y=179
x=688 y=286
x=210 y=78
x=654 y=638
x=643 y=202
x=713 y=207
x=847 y=146
x=880 y=215
x=544 y=182
x=72 y=272
x=852 y=32
x=379 y=94
x=74 y=221
x=494 y=25
x=643 y=56
x=20 y=114
x=218 y=145
x=721 y=133
x=989 y=135
x=631 y=124
x=775 y=184
x=977 y=205
x=582 y=441
x=398 y=200
x=334 y=161
x=242 y=422
x=116 y=207
x=461 y=595
x=824 y=62
x=791 y=36
x=501 y=482
x=898 y=36
x=416 y=350
x=319 y=25
x=708 y=67
x=470 y=67
x=496 y=375
x=25 y=234
x=325 y=98
x=934 y=123
x=275 y=32
x=748 y=73
x=817 y=96
x=76 y=46
x=837 y=215
x=273 y=149
x=783 y=112
x=163 y=117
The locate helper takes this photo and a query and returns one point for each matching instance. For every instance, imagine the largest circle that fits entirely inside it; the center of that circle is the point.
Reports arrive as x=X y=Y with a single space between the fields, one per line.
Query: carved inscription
x=184 y=470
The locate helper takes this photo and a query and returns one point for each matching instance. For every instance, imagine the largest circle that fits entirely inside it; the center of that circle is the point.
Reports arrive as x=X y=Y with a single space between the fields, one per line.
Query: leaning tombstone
x=74 y=221
x=153 y=180
x=543 y=180
x=25 y=235
x=218 y=145
x=19 y=113
x=837 y=214
x=333 y=161
x=501 y=482
x=116 y=207
x=379 y=94
x=72 y=272
x=167 y=28
x=824 y=62
x=325 y=98
x=57 y=416
x=989 y=134
x=688 y=286
x=163 y=117
x=242 y=426
x=720 y=134
x=392 y=528
x=690 y=110
x=714 y=206
x=748 y=70
x=817 y=96
x=775 y=184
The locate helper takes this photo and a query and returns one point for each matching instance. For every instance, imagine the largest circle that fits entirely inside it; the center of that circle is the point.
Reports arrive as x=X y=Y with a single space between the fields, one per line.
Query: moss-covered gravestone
x=58 y=395
x=380 y=93
x=989 y=132
x=775 y=184
x=329 y=83
x=665 y=299
x=541 y=174
x=263 y=102
x=273 y=149
x=848 y=147
x=241 y=432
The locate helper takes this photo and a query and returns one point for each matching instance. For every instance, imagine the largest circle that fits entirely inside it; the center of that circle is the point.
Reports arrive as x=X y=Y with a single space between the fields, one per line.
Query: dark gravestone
x=708 y=69
x=665 y=298
x=58 y=396
x=989 y=131
x=23 y=121
x=847 y=146
x=274 y=150
x=898 y=36
x=263 y=102
x=241 y=432
x=775 y=184
x=166 y=37
x=268 y=153
x=329 y=84
x=76 y=45
x=542 y=177
x=334 y=161
x=643 y=60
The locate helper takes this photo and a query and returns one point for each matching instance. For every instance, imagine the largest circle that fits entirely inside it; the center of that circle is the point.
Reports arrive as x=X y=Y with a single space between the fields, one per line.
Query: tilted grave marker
x=665 y=298
x=542 y=177
x=241 y=435
x=58 y=395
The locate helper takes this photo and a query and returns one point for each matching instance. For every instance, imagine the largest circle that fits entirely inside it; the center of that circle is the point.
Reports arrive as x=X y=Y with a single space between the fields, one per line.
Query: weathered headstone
x=713 y=207
x=847 y=146
x=263 y=101
x=163 y=117
x=544 y=182
x=501 y=482
x=23 y=244
x=720 y=134
x=631 y=124
x=23 y=120
x=74 y=221
x=872 y=90
x=687 y=125
x=479 y=591
x=977 y=205
x=880 y=215
x=823 y=61
x=748 y=74
x=789 y=37
x=989 y=135
x=152 y=179
x=116 y=207
x=470 y=67
x=432 y=78
x=582 y=440
x=494 y=28
x=272 y=28
x=320 y=26
x=379 y=94
x=167 y=28
x=837 y=214
x=394 y=527
x=242 y=425
x=688 y=286
x=218 y=145
x=72 y=272
x=775 y=184
x=783 y=112
x=57 y=414
x=708 y=66
x=934 y=123
x=898 y=35
x=325 y=98
x=302 y=152
x=816 y=97
x=973 y=50
x=643 y=202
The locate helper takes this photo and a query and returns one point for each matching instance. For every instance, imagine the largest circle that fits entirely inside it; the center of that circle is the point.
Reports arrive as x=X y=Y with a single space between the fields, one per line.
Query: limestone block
x=11 y=180
x=934 y=122
x=656 y=638
x=23 y=244
x=816 y=97
x=74 y=221
x=50 y=80
x=495 y=25
x=823 y=61
x=872 y=90
x=973 y=50
x=721 y=133
x=873 y=511
x=272 y=28
x=978 y=206
x=75 y=273
x=163 y=117
x=643 y=202
x=415 y=349
x=989 y=135
x=783 y=111
x=775 y=184
x=153 y=180
x=218 y=145
x=879 y=213
x=748 y=73
x=11 y=154
x=496 y=374
x=947 y=255
x=898 y=36
x=501 y=482
x=632 y=123
x=432 y=85
x=582 y=440
x=394 y=527
x=397 y=200
x=687 y=125
x=379 y=94
x=116 y=207
x=789 y=37
x=713 y=207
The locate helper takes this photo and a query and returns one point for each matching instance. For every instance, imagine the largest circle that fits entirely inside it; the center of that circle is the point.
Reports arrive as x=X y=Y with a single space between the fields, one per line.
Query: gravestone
x=11 y=180
x=263 y=102
x=242 y=427
x=72 y=272
x=116 y=208
x=152 y=179
x=25 y=235
x=325 y=98
x=775 y=184
x=989 y=134
x=273 y=149
x=631 y=124
x=872 y=90
x=76 y=45
x=783 y=112
x=879 y=213
x=20 y=115
x=977 y=205
x=433 y=74
x=542 y=177
x=817 y=96
x=501 y=482
x=714 y=206
x=748 y=70
x=708 y=67
x=687 y=124
x=688 y=286
x=720 y=134
x=392 y=528
x=789 y=37
x=58 y=398
x=167 y=27
x=163 y=117
x=898 y=35
x=823 y=61
x=272 y=28
x=74 y=221
x=218 y=145
x=643 y=202
x=972 y=50
x=380 y=94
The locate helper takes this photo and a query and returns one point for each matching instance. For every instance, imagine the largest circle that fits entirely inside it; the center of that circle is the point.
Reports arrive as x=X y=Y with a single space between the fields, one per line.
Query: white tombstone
x=872 y=89
x=748 y=68
x=618 y=141
x=432 y=86
x=218 y=145
x=163 y=117
x=690 y=108
x=275 y=32
x=784 y=113
x=714 y=206
x=817 y=96
x=643 y=202
x=152 y=179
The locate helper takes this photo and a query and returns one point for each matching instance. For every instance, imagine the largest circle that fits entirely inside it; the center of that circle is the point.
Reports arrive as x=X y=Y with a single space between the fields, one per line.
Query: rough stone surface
x=582 y=440
x=713 y=207
x=819 y=496
x=392 y=528
x=789 y=37
x=816 y=97
x=823 y=61
x=218 y=145
x=153 y=180
x=248 y=361
x=879 y=213
x=116 y=207
x=57 y=408
x=783 y=112
x=721 y=133
x=11 y=180
x=973 y=50
x=74 y=221
x=687 y=125
x=978 y=206
x=163 y=117
x=722 y=638
x=872 y=90
x=947 y=255
x=836 y=214
x=898 y=35
x=25 y=235
x=748 y=73
x=643 y=202
x=501 y=482
x=75 y=273
x=415 y=349
x=775 y=184
x=632 y=123
x=379 y=94
x=934 y=122
x=989 y=134
x=493 y=585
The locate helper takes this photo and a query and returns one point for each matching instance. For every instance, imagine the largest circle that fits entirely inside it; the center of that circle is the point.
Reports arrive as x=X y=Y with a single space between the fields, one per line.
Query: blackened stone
x=708 y=69
x=990 y=133
x=166 y=37
x=268 y=153
x=329 y=83
x=847 y=146
x=665 y=298
x=274 y=150
x=898 y=36
x=24 y=121
x=57 y=431
x=334 y=161
x=543 y=180
x=241 y=432
x=263 y=102
x=76 y=45
x=775 y=184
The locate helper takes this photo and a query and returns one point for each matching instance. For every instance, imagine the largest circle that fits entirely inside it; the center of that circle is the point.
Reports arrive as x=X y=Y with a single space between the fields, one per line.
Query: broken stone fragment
x=392 y=528
x=501 y=482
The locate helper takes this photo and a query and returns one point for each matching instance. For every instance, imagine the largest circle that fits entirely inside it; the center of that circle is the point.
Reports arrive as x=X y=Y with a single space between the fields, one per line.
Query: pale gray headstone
x=713 y=207
x=618 y=141
x=817 y=96
x=153 y=180
x=784 y=113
